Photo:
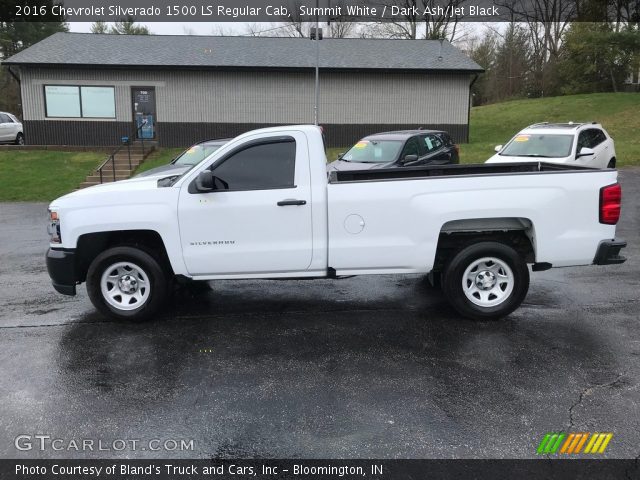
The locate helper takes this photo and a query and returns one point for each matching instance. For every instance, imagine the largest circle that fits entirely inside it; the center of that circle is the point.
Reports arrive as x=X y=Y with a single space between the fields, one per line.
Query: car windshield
x=195 y=154
x=373 y=151
x=539 y=145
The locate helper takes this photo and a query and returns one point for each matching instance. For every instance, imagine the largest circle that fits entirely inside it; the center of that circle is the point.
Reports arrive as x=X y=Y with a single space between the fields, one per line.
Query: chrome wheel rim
x=125 y=286
x=487 y=282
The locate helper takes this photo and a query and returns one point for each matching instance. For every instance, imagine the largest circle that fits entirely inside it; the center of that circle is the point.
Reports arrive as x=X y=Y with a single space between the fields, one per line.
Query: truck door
x=258 y=220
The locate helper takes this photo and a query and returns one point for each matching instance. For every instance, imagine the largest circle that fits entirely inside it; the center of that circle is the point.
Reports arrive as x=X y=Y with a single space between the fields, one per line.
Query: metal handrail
x=112 y=155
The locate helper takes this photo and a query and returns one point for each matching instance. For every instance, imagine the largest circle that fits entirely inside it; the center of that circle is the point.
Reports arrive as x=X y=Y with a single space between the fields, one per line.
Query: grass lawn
x=41 y=175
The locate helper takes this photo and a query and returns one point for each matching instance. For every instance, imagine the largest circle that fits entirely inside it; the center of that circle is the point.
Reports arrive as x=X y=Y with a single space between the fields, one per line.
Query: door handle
x=290 y=201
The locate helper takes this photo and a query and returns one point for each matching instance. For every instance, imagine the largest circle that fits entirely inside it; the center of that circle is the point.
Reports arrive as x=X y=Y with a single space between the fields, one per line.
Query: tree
x=547 y=21
x=419 y=19
x=483 y=52
x=129 y=27
x=100 y=27
x=339 y=27
x=16 y=35
x=596 y=58
x=124 y=27
x=513 y=63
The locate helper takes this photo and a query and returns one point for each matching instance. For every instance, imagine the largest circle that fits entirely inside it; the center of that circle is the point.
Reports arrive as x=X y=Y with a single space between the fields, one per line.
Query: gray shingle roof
x=256 y=52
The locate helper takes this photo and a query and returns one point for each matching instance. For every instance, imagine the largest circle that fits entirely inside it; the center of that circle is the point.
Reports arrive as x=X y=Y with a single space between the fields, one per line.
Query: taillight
x=610 y=203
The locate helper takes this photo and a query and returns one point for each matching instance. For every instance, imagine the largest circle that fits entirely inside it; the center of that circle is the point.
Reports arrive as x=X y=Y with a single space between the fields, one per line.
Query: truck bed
x=405 y=173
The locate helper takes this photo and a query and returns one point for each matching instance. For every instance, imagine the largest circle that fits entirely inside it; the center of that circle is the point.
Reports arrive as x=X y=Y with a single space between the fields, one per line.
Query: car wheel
x=126 y=283
x=19 y=139
x=486 y=280
x=612 y=163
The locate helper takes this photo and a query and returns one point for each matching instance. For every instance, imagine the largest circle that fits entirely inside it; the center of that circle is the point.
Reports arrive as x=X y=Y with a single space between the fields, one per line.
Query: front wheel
x=127 y=283
x=19 y=139
x=486 y=280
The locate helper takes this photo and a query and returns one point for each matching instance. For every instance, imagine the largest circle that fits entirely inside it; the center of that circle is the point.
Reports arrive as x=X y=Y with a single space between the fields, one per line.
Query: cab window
x=264 y=166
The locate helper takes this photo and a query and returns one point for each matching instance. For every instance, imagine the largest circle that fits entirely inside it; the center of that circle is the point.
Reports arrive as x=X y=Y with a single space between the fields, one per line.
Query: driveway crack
x=588 y=391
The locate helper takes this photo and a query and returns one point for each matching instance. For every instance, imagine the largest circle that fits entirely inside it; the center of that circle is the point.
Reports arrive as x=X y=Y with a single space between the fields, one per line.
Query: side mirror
x=340 y=155
x=498 y=148
x=585 y=152
x=410 y=158
x=204 y=181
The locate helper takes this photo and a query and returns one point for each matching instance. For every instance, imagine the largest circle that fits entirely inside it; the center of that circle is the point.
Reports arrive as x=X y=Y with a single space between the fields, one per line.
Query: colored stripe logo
x=573 y=443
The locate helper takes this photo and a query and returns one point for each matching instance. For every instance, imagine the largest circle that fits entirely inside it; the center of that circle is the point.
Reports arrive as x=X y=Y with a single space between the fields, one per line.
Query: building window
x=64 y=101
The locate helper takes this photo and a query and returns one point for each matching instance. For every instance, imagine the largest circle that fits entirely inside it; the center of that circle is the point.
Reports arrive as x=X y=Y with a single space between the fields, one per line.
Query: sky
x=178 y=28
x=466 y=30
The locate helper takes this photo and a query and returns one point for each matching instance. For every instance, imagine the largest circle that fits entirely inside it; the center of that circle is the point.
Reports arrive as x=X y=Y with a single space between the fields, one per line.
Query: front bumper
x=61 y=265
x=608 y=252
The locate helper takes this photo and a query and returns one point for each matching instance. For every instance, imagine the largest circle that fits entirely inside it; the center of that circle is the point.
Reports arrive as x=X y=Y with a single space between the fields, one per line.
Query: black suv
x=406 y=148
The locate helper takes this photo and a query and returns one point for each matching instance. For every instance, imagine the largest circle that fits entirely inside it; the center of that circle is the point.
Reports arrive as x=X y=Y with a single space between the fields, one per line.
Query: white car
x=261 y=206
x=10 y=129
x=581 y=144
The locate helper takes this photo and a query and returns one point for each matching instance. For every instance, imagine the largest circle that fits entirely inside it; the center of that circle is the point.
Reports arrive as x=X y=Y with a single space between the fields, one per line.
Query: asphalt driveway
x=367 y=367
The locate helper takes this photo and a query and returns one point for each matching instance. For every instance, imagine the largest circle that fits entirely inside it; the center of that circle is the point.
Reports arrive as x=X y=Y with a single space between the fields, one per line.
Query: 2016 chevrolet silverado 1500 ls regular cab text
x=262 y=206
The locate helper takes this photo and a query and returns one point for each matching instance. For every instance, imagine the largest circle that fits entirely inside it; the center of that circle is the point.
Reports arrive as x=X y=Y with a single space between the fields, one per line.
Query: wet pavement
x=366 y=367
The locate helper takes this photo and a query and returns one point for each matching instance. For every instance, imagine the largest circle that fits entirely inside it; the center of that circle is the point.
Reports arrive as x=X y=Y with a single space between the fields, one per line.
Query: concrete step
x=118 y=171
x=134 y=158
x=121 y=164
x=124 y=153
x=123 y=169
x=105 y=178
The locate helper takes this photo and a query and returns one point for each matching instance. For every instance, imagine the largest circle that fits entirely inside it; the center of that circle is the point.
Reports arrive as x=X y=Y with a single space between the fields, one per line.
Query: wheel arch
x=517 y=232
x=90 y=245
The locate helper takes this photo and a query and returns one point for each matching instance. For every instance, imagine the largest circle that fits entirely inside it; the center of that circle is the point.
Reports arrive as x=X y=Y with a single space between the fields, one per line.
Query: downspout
x=17 y=79
x=475 y=77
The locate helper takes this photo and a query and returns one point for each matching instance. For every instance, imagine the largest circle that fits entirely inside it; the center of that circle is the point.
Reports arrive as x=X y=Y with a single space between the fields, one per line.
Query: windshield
x=373 y=151
x=539 y=145
x=195 y=154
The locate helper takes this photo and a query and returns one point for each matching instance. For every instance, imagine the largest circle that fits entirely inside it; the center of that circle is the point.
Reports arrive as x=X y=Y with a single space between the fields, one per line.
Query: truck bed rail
x=411 y=173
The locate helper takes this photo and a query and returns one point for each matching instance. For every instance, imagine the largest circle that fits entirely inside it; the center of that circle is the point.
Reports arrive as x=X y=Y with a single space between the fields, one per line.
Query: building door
x=144 y=112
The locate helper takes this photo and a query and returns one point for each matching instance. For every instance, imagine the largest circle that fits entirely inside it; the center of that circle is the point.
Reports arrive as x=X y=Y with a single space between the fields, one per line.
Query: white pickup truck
x=263 y=206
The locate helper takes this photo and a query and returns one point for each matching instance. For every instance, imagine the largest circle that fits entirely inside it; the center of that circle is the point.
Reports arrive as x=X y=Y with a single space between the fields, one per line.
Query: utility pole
x=316 y=107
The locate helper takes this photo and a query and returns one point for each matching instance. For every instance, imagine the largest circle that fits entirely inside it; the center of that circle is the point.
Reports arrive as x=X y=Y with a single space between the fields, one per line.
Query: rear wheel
x=486 y=280
x=19 y=139
x=127 y=283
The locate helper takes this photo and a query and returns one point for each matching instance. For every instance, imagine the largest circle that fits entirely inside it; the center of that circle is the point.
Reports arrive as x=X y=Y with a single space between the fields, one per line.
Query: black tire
x=151 y=273
x=19 y=139
x=509 y=294
x=612 y=163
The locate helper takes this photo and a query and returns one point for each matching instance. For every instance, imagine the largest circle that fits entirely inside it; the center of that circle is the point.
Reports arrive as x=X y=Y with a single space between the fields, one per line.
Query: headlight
x=54 y=227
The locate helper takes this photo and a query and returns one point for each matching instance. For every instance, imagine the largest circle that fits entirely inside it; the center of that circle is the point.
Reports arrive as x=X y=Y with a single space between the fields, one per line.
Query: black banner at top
x=312 y=10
